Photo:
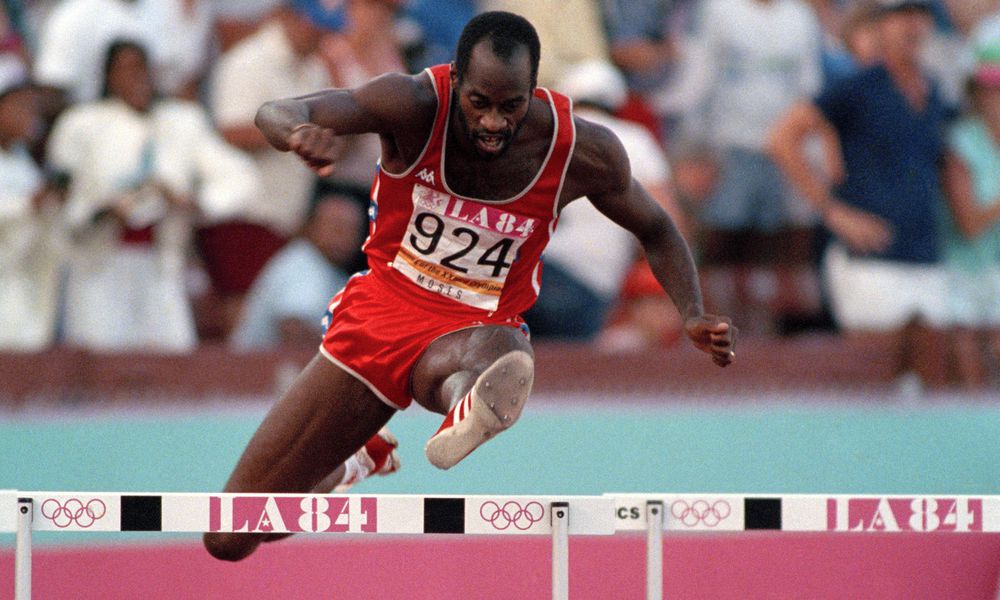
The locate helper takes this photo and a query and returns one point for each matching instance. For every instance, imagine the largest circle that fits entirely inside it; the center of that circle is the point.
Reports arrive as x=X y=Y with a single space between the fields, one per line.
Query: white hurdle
x=860 y=513
x=556 y=516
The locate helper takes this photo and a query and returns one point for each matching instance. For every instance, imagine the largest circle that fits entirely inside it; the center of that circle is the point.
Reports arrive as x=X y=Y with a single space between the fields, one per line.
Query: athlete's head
x=493 y=77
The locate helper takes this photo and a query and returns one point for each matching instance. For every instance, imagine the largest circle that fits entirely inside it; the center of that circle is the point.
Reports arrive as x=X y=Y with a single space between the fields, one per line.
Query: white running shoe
x=492 y=405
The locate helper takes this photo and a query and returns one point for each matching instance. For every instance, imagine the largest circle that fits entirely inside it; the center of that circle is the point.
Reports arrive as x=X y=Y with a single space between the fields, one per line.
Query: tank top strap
x=554 y=172
x=441 y=77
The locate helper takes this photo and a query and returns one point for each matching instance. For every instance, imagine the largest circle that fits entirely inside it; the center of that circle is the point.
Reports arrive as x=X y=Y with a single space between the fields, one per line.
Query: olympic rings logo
x=700 y=511
x=511 y=513
x=74 y=511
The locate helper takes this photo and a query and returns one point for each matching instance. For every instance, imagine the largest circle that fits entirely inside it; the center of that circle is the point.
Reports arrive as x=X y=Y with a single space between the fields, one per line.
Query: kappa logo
x=426 y=175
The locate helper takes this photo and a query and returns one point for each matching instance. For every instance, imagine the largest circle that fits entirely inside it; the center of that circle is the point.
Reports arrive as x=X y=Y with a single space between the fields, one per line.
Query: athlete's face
x=493 y=98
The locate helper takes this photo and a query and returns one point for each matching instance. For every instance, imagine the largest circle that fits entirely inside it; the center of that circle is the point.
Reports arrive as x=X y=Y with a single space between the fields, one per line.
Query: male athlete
x=476 y=164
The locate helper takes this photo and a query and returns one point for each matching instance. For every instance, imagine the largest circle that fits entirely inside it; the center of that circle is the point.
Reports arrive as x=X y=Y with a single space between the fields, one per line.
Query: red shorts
x=376 y=335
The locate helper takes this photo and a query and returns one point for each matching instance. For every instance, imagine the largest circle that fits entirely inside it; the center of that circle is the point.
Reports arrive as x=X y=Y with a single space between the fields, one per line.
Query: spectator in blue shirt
x=881 y=193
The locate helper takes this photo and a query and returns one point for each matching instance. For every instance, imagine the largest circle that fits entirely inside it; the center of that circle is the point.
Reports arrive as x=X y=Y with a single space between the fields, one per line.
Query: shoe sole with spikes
x=494 y=404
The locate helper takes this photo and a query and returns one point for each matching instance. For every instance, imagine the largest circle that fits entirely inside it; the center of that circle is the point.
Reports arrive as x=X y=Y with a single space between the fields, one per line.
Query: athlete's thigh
x=318 y=423
x=466 y=351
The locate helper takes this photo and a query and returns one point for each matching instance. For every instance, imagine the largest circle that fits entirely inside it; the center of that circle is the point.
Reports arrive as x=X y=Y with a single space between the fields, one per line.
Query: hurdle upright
x=398 y=514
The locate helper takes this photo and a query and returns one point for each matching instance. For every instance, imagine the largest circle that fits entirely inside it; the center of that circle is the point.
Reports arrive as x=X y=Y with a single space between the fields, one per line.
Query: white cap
x=595 y=81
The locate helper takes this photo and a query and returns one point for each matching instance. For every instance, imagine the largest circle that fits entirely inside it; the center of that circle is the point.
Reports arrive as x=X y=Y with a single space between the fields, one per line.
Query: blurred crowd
x=834 y=165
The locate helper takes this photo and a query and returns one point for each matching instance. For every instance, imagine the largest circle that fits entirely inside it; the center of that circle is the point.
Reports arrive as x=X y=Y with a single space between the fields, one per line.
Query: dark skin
x=498 y=137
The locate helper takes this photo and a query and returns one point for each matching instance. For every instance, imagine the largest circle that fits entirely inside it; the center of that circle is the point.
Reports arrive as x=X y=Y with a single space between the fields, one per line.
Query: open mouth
x=490 y=142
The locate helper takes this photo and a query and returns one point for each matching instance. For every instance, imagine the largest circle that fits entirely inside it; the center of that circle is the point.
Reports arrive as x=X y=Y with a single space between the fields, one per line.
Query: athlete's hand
x=715 y=335
x=317 y=146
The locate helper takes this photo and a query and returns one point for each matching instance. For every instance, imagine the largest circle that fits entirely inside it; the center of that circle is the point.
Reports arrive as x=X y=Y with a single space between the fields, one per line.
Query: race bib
x=460 y=249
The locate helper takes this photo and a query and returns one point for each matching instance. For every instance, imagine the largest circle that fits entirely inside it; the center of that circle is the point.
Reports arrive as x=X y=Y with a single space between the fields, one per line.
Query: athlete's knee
x=230 y=546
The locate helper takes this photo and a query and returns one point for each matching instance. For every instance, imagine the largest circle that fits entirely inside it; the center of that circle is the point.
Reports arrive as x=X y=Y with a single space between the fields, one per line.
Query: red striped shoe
x=492 y=405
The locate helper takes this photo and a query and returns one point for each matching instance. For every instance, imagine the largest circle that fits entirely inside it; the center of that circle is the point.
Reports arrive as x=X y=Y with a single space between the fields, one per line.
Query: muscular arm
x=397 y=107
x=600 y=171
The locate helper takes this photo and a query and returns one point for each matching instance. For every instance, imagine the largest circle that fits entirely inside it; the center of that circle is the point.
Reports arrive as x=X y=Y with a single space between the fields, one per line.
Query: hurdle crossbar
x=24 y=512
x=857 y=513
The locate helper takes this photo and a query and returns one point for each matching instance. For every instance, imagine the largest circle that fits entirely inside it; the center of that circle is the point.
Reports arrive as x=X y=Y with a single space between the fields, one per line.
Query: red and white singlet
x=440 y=262
x=454 y=253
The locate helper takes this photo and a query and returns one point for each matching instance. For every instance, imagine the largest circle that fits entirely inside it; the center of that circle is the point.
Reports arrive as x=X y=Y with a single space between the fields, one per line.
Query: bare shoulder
x=599 y=164
x=391 y=104
x=399 y=98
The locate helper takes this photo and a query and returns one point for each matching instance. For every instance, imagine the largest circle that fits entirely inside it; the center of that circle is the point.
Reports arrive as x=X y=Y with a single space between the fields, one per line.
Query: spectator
x=437 y=25
x=571 y=33
x=181 y=33
x=972 y=232
x=296 y=285
x=279 y=60
x=74 y=40
x=860 y=38
x=849 y=36
x=750 y=61
x=11 y=33
x=643 y=317
x=134 y=164
x=882 y=271
x=949 y=55
x=236 y=20
x=588 y=256
x=365 y=48
x=648 y=40
x=29 y=243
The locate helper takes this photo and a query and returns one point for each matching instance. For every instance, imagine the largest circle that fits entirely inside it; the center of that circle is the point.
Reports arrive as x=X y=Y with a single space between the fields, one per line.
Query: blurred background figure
x=74 y=39
x=972 y=227
x=747 y=62
x=236 y=20
x=30 y=249
x=136 y=165
x=949 y=55
x=181 y=32
x=286 y=301
x=12 y=35
x=432 y=29
x=881 y=196
x=850 y=39
x=279 y=60
x=570 y=33
x=589 y=257
x=649 y=40
x=366 y=47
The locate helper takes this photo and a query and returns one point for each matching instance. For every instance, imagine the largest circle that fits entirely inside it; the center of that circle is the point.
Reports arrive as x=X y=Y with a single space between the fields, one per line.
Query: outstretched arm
x=395 y=106
x=601 y=172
